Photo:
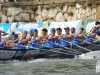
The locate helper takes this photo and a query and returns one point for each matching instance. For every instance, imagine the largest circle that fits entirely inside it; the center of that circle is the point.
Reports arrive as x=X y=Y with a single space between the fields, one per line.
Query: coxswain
x=22 y=42
x=51 y=39
x=34 y=41
x=78 y=37
x=65 y=38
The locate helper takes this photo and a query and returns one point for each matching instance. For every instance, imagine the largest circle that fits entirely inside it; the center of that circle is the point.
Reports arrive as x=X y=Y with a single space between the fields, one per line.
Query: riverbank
x=63 y=10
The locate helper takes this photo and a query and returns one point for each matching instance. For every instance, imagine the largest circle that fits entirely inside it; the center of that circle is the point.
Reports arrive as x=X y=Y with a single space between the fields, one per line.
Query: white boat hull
x=90 y=55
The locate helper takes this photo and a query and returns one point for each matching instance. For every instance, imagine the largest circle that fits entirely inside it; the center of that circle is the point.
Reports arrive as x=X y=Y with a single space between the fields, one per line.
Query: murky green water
x=49 y=67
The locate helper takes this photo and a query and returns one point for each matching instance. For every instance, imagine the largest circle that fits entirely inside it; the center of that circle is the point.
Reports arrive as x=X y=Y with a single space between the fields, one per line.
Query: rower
x=22 y=42
x=2 y=40
x=44 y=36
x=78 y=37
x=72 y=30
x=97 y=26
x=34 y=42
x=31 y=34
x=90 y=36
x=59 y=33
x=65 y=38
x=13 y=43
x=51 y=43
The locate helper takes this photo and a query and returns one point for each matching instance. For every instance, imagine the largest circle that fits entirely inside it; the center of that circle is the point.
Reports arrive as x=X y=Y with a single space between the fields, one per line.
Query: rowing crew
x=51 y=40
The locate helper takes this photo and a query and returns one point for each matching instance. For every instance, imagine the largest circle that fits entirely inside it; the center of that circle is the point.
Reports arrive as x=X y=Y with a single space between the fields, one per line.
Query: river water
x=49 y=67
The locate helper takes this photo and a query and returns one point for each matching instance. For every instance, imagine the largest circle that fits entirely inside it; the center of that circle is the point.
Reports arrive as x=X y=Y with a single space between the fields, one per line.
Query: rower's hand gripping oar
x=68 y=49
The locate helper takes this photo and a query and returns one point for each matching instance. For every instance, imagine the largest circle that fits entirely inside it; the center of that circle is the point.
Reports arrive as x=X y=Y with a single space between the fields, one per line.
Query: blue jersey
x=64 y=42
x=35 y=44
x=76 y=41
x=89 y=40
x=50 y=43
x=97 y=30
x=21 y=46
x=2 y=42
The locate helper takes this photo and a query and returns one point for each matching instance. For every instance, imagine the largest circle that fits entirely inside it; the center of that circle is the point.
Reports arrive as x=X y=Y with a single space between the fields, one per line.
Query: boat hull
x=58 y=52
x=21 y=54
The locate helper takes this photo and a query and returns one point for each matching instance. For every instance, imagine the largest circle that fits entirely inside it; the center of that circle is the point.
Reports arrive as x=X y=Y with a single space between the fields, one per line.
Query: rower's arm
x=54 y=38
x=85 y=35
x=93 y=35
x=25 y=41
x=37 y=40
x=79 y=36
x=16 y=40
x=61 y=37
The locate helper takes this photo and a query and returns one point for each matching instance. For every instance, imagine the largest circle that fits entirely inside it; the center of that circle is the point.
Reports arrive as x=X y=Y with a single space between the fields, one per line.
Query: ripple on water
x=49 y=67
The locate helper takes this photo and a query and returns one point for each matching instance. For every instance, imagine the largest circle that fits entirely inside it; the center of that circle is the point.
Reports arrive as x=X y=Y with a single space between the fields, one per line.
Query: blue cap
x=16 y=35
x=53 y=29
x=34 y=30
x=67 y=28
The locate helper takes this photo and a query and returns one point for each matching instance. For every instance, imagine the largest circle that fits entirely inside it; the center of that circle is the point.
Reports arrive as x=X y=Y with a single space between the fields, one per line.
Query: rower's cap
x=34 y=30
x=53 y=29
x=67 y=28
x=16 y=35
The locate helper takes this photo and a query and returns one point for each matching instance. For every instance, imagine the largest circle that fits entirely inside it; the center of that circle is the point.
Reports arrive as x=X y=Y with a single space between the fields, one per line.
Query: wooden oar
x=80 y=46
x=60 y=52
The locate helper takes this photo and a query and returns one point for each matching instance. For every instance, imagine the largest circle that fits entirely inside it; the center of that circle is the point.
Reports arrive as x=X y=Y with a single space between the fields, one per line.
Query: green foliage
x=32 y=8
x=5 y=11
x=60 y=5
x=72 y=4
x=14 y=20
x=46 y=7
x=81 y=2
x=52 y=6
x=23 y=7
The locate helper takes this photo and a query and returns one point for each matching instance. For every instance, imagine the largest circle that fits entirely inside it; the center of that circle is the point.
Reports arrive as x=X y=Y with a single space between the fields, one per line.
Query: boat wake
x=90 y=55
x=36 y=60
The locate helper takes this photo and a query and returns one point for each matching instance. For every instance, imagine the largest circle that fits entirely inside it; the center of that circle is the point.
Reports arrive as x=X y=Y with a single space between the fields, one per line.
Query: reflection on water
x=48 y=67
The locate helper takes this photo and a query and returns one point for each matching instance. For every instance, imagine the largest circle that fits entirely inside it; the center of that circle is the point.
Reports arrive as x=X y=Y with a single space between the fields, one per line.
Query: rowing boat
x=58 y=52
